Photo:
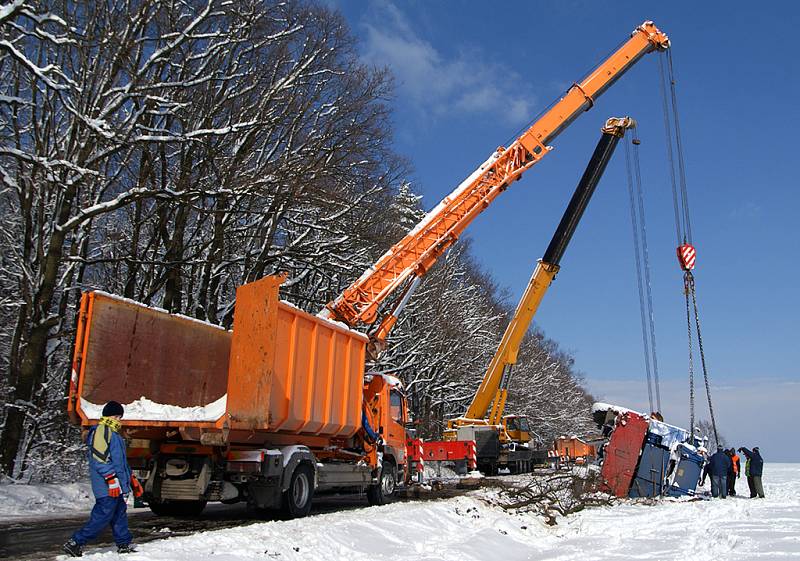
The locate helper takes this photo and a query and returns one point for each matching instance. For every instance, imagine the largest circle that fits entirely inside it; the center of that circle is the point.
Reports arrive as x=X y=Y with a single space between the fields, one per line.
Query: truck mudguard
x=292 y=457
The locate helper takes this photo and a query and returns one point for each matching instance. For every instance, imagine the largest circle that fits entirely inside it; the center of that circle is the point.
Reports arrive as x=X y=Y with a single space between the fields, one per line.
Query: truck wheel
x=177 y=508
x=297 y=498
x=383 y=492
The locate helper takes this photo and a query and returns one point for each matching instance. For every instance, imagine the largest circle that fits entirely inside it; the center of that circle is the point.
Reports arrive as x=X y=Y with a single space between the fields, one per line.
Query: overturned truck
x=644 y=456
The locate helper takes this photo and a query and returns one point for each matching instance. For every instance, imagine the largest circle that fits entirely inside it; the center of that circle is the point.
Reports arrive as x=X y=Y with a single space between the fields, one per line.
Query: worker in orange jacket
x=735 y=472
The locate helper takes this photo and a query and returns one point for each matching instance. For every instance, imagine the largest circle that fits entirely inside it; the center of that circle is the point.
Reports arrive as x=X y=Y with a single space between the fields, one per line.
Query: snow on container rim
x=145 y=410
x=600 y=406
x=393 y=381
x=331 y=322
x=157 y=309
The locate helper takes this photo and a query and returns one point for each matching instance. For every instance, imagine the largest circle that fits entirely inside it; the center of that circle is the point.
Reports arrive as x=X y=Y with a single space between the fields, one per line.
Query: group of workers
x=723 y=468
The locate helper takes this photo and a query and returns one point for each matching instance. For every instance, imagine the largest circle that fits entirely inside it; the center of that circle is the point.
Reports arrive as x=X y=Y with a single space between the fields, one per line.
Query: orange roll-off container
x=281 y=370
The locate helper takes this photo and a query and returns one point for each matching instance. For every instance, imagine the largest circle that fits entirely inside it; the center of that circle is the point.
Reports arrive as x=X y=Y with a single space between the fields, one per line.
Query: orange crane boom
x=420 y=248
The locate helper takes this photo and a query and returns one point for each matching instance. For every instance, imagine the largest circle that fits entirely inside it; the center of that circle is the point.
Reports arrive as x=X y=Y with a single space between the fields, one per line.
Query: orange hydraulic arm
x=420 y=248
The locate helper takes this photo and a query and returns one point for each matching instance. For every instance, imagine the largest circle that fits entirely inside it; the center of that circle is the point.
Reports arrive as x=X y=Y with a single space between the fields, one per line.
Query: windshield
x=517 y=423
x=396 y=406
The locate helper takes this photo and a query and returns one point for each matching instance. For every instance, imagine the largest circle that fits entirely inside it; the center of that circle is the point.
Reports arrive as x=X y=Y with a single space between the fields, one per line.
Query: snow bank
x=145 y=410
x=470 y=528
x=32 y=501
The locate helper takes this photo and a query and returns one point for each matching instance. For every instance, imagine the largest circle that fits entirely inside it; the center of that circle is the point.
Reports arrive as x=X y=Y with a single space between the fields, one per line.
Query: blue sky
x=469 y=75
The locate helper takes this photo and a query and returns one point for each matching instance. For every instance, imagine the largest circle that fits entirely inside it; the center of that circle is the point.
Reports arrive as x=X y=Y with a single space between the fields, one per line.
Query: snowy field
x=467 y=528
x=20 y=502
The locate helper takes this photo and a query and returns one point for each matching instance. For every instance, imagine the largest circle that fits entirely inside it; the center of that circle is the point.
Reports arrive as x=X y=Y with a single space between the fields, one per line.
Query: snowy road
x=29 y=539
x=42 y=538
x=466 y=528
x=33 y=529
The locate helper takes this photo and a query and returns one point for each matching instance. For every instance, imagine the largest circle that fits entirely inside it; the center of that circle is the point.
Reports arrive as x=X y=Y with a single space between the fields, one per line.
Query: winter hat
x=113 y=408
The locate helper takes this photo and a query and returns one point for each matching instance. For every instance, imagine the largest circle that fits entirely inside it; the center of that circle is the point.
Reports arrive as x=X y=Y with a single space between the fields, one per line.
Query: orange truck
x=279 y=408
x=574 y=449
x=227 y=416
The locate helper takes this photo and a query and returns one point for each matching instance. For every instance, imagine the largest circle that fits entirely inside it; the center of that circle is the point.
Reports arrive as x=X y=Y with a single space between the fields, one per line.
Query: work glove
x=136 y=487
x=114 y=489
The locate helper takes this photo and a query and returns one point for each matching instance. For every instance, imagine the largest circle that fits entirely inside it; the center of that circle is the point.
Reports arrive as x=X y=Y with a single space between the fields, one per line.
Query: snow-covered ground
x=467 y=528
x=18 y=502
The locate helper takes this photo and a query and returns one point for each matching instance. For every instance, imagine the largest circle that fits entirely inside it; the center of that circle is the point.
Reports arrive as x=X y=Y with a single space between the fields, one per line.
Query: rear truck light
x=245 y=456
x=243 y=467
x=266 y=462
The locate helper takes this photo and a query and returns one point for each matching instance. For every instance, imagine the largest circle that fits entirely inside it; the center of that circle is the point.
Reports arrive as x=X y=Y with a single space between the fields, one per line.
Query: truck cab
x=386 y=411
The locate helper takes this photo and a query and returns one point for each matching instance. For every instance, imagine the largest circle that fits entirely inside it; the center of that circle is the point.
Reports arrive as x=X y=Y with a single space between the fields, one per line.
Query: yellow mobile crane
x=503 y=441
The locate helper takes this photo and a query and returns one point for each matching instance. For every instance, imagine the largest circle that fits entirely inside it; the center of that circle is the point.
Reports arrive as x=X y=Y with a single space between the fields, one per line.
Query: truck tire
x=383 y=491
x=297 y=498
x=177 y=508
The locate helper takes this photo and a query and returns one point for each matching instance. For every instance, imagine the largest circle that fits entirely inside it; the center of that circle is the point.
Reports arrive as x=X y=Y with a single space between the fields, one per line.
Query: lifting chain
x=690 y=286
x=686 y=290
x=686 y=251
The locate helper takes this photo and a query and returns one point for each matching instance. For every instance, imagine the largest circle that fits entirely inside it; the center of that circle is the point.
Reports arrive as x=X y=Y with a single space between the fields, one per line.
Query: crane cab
x=516 y=428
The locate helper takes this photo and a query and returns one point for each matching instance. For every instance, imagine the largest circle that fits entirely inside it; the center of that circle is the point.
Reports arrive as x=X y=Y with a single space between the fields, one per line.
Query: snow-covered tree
x=171 y=151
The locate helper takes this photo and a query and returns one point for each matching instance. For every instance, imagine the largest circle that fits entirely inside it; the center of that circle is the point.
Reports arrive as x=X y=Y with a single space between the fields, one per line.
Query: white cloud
x=758 y=411
x=435 y=84
x=746 y=211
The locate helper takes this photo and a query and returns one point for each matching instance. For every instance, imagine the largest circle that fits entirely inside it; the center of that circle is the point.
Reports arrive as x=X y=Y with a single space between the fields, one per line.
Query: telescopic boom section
x=420 y=248
x=496 y=379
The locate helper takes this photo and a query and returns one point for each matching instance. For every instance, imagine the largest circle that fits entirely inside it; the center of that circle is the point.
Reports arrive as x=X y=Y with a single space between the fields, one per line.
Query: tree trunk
x=32 y=364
